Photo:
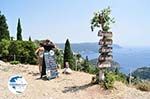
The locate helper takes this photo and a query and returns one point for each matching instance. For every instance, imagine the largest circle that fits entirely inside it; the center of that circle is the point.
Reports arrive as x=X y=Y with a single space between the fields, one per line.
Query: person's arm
x=36 y=52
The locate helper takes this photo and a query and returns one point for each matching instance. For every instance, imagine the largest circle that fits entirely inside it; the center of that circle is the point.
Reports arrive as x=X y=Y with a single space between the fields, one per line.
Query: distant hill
x=81 y=47
x=142 y=73
x=113 y=63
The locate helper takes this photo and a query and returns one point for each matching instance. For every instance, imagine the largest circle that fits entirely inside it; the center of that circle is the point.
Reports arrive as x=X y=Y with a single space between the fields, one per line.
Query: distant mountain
x=142 y=73
x=113 y=63
x=84 y=47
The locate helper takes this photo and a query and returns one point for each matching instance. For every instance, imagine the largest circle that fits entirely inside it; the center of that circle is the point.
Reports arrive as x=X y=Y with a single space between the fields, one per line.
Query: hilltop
x=74 y=86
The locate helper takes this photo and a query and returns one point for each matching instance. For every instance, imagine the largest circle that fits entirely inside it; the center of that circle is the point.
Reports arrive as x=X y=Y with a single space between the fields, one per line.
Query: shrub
x=143 y=86
x=14 y=62
x=23 y=50
x=4 y=45
x=121 y=77
x=136 y=80
x=59 y=56
x=109 y=80
x=92 y=69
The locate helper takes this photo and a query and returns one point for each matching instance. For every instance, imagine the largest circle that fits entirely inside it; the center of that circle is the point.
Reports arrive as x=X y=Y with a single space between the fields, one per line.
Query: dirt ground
x=74 y=86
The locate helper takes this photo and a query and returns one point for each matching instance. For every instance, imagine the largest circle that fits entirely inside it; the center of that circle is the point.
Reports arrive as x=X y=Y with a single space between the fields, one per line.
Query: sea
x=129 y=58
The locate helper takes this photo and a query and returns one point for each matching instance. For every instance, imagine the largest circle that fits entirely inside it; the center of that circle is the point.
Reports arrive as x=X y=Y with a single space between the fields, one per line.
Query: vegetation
x=111 y=77
x=22 y=51
x=109 y=80
x=142 y=73
x=30 y=38
x=59 y=56
x=86 y=65
x=102 y=19
x=4 y=33
x=14 y=62
x=143 y=86
x=4 y=45
x=141 y=78
x=19 y=31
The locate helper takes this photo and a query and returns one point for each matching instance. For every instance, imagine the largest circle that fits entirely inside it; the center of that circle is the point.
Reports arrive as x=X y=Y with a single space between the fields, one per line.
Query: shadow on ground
x=76 y=88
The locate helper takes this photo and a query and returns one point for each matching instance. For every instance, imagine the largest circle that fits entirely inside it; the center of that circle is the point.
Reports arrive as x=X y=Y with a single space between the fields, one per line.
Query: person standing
x=39 y=52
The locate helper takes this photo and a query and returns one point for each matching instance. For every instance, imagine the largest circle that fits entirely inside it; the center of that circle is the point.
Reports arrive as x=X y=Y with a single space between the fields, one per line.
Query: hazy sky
x=62 y=19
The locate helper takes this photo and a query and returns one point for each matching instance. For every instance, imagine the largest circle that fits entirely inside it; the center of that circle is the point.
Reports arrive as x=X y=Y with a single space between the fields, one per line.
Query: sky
x=61 y=19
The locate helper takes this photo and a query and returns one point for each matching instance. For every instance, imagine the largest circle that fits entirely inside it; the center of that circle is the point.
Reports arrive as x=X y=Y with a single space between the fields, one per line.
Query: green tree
x=4 y=33
x=59 y=56
x=102 y=19
x=11 y=38
x=19 y=30
x=30 y=38
x=68 y=55
x=23 y=50
x=78 y=58
x=86 y=64
x=4 y=45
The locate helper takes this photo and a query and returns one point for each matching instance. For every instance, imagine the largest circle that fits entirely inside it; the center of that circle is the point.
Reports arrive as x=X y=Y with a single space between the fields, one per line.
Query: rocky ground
x=74 y=86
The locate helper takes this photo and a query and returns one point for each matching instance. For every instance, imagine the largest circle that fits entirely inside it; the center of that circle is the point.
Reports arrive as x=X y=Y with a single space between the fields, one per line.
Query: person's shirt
x=40 y=51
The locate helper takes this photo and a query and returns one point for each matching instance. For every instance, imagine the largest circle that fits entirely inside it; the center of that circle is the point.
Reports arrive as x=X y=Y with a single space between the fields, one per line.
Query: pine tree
x=19 y=30
x=68 y=55
x=4 y=33
x=30 y=38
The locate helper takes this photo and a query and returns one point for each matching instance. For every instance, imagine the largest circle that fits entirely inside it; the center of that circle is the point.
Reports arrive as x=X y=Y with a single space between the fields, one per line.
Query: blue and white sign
x=17 y=84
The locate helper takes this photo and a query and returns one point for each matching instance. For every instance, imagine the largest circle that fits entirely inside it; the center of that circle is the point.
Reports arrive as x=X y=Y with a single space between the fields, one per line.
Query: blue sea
x=128 y=58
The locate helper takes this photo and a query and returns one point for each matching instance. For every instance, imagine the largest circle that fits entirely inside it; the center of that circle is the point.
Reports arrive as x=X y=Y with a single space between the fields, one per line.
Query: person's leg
x=40 y=64
x=43 y=67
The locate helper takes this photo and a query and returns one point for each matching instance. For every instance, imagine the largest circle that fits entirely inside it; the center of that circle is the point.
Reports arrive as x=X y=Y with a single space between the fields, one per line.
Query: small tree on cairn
x=103 y=20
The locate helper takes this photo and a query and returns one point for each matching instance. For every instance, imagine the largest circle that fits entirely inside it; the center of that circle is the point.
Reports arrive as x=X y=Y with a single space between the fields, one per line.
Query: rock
x=67 y=71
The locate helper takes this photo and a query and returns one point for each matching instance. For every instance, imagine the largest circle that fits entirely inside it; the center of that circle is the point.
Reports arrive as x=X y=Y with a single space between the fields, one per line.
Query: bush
x=121 y=77
x=4 y=45
x=92 y=69
x=59 y=56
x=135 y=80
x=14 y=62
x=109 y=80
x=111 y=77
x=22 y=51
x=143 y=86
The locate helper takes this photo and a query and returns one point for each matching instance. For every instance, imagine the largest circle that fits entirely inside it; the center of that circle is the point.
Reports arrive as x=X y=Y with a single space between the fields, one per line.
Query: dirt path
x=74 y=86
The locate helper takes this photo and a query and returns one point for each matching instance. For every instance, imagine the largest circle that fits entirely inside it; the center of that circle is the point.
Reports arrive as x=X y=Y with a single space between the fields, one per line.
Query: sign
x=51 y=66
